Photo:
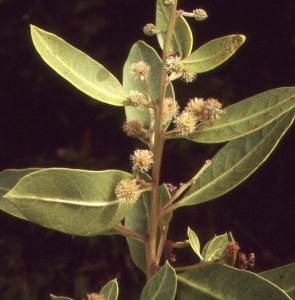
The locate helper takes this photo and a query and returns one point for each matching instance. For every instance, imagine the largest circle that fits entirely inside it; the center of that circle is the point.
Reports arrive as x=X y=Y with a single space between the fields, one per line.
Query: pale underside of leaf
x=161 y=286
x=77 y=202
x=182 y=39
x=141 y=51
x=247 y=116
x=79 y=69
x=8 y=179
x=111 y=290
x=212 y=54
x=236 y=161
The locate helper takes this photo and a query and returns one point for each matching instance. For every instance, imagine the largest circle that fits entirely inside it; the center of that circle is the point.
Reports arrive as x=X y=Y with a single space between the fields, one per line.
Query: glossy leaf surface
x=161 y=286
x=8 y=179
x=218 y=281
x=77 y=202
x=247 y=116
x=283 y=277
x=237 y=160
x=142 y=51
x=80 y=70
x=111 y=290
x=182 y=39
x=213 y=53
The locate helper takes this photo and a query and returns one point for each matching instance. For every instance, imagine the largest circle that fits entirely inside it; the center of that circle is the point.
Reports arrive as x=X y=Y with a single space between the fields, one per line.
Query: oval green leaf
x=161 y=286
x=194 y=242
x=237 y=160
x=282 y=277
x=111 y=290
x=77 y=202
x=80 y=70
x=213 y=53
x=247 y=116
x=8 y=179
x=221 y=282
x=142 y=51
x=182 y=38
x=214 y=249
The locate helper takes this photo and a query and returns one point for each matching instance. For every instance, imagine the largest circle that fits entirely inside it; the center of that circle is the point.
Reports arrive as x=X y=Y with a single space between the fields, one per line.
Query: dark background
x=45 y=122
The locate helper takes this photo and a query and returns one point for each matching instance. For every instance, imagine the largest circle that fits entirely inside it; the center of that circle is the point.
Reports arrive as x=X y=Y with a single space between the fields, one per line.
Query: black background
x=45 y=122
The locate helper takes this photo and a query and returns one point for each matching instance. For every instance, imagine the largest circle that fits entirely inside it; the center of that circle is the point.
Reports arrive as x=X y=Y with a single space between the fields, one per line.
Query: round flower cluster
x=139 y=70
x=142 y=159
x=127 y=190
x=197 y=111
x=205 y=110
x=133 y=128
x=136 y=99
x=170 y=110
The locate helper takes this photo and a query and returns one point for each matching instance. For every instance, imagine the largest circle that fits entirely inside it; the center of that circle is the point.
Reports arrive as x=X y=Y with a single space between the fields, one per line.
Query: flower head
x=140 y=70
x=170 y=110
x=133 y=128
x=185 y=123
x=136 y=99
x=142 y=159
x=127 y=190
x=205 y=110
x=173 y=64
x=189 y=76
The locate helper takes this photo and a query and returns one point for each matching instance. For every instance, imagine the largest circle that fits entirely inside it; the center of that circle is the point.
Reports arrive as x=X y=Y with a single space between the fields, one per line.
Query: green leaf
x=59 y=298
x=247 y=116
x=111 y=290
x=213 y=53
x=164 y=197
x=214 y=249
x=80 y=70
x=161 y=286
x=194 y=242
x=8 y=179
x=217 y=281
x=77 y=202
x=142 y=51
x=283 y=277
x=138 y=220
x=237 y=160
x=182 y=39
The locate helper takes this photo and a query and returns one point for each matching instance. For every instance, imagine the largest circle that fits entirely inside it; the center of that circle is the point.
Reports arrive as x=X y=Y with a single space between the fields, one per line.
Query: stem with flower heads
x=159 y=139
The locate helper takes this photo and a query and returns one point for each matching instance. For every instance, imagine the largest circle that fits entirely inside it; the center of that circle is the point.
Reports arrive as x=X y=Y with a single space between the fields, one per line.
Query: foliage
x=85 y=203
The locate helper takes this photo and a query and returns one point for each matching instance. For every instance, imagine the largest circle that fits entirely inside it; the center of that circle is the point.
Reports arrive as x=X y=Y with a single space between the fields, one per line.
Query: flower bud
x=200 y=14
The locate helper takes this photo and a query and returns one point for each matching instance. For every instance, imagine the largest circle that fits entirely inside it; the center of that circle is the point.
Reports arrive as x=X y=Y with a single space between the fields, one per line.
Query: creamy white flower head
x=127 y=190
x=142 y=159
